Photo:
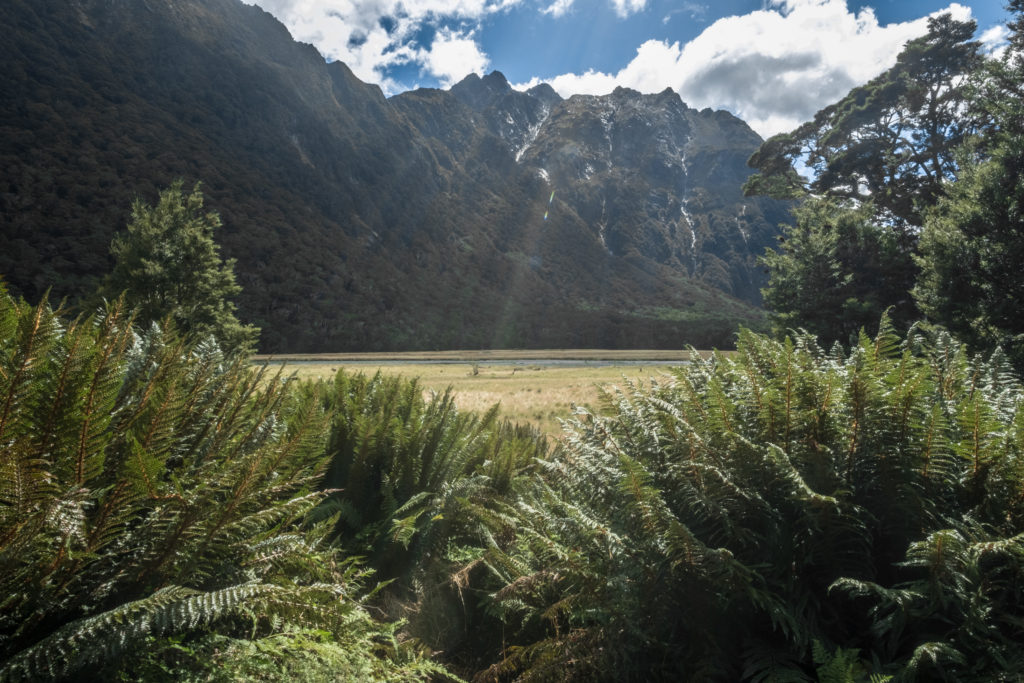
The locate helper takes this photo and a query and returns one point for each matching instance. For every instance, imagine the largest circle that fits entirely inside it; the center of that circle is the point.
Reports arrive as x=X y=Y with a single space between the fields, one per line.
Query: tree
x=972 y=242
x=878 y=159
x=836 y=271
x=889 y=142
x=168 y=266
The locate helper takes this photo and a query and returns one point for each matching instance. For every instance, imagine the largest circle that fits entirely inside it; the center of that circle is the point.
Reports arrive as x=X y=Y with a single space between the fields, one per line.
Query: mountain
x=476 y=217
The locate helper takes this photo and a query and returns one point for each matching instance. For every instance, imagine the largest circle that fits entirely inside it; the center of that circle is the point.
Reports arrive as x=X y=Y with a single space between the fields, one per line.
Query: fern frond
x=931 y=660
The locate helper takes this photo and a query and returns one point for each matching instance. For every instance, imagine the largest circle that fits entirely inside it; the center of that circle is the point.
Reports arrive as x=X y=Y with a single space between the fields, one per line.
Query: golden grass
x=470 y=356
x=539 y=394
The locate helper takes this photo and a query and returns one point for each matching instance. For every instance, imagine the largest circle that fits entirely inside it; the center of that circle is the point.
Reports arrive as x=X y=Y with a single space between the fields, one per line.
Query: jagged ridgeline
x=480 y=216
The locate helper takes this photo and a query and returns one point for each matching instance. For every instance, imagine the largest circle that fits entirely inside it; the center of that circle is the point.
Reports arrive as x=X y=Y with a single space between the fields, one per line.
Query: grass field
x=528 y=392
x=596 y=355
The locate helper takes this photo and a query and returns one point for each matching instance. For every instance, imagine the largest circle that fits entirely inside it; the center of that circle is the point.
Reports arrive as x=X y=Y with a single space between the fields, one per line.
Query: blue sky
x=771 y=62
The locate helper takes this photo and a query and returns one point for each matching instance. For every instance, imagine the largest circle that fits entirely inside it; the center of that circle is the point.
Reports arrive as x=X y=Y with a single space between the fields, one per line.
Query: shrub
x=420 y=489
x=155 y=493
x=750 y=514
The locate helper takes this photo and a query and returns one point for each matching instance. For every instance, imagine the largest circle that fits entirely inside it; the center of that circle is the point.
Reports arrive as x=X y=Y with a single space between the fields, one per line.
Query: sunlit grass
x=537 y=394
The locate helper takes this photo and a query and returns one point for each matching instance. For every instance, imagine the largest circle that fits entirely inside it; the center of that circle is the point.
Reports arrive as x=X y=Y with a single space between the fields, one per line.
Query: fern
x=413 y=472
x=157 y=492
x=790 y=496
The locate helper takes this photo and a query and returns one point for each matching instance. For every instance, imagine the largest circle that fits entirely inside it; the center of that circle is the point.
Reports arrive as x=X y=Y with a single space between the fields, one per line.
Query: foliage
x=769 y=515
x=406 y=467
x=836 y=271
x=155 y=492
x=169 y=267
x=971 y=244
x=289 y=655
x=890 y=141
x=877 y=160
x=420 y=488
x=781 y=514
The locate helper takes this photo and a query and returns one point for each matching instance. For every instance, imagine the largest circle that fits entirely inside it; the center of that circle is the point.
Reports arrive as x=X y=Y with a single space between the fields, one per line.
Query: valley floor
x=536 y=386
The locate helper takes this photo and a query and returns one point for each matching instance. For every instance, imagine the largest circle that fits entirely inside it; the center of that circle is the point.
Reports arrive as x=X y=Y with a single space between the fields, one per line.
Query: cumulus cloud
x=558 y=8
x=995 y=40
x=626 y=7
x=774 y=67
x=452 y=55
x=372 y=35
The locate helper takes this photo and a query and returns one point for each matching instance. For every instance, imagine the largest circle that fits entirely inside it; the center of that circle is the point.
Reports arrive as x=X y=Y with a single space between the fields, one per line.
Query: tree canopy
x=836 y=272
x=889 y=142
x=973 y=240
x=878 y=163
x=169 y=267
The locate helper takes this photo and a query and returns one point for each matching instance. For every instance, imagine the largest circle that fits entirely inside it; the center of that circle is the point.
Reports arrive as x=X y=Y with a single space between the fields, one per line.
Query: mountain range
x=475 y=217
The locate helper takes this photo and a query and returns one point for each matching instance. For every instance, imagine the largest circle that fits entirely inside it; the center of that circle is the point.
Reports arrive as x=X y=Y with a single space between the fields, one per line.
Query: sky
x=773 y=63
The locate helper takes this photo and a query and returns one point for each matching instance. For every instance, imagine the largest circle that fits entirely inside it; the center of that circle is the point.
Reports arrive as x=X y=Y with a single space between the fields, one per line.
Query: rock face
x=480 y=216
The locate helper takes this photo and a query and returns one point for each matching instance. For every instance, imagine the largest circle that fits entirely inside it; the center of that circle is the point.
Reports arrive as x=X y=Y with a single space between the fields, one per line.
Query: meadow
x=536 y=386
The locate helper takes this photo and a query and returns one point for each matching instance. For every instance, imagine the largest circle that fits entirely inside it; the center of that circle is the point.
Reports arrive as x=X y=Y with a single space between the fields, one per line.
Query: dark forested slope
x=360 y=222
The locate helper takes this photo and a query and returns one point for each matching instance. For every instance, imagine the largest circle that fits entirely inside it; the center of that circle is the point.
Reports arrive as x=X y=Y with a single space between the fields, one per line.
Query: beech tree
x=972 y=242
x=168 y=266
x=836 y=272
x=891 y=141
x=877 y=160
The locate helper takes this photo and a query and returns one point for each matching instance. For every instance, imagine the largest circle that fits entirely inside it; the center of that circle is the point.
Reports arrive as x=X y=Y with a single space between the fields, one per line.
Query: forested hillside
x=358 y=222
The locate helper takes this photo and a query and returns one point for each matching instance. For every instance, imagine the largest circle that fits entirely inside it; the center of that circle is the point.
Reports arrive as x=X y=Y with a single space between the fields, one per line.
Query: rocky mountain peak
x=496 y=81
x=512 y=115
x=545 y=93
x=479 y=93
x=655 y=178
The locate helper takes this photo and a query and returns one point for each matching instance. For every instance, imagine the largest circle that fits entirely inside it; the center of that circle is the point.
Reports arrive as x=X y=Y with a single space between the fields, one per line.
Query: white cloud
x=694 y=10
x=588 y=83
x=372 y=35
x=626 y=7
x=774 y=67
x=453 y=55
x=558 y=8
x=995 y=40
